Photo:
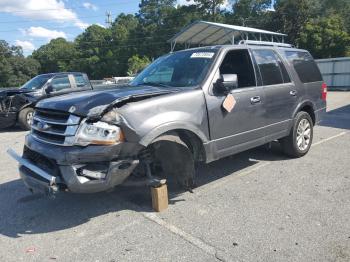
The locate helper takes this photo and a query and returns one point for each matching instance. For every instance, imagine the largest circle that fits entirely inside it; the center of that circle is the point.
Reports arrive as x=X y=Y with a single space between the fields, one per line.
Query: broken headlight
x=99 y=133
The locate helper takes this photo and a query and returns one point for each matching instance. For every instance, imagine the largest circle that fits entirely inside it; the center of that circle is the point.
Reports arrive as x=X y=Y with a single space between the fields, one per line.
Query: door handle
x=255 y=100
x=293 y=93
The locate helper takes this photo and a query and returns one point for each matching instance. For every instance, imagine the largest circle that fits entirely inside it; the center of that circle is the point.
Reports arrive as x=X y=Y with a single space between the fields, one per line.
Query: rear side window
x=80 y=80
x=304 y=65
x=271 y=68
x=60 y=82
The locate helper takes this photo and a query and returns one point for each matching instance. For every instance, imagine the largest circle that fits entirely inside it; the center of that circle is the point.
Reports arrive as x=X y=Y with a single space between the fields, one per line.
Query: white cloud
x=225 y=5
x=26 y=45
x=88 y=5
x=41 y=32
x=51 y=10
x=101 y=25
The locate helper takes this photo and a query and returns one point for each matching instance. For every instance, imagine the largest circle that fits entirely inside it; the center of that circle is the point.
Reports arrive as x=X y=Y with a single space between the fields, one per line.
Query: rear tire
x=25 y=118
x=299 y=141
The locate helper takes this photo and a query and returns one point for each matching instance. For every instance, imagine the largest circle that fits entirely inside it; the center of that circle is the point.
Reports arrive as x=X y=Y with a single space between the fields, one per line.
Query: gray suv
x=195 y=105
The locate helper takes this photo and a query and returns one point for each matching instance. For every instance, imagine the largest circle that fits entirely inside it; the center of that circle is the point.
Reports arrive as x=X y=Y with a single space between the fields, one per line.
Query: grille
x=55 y=127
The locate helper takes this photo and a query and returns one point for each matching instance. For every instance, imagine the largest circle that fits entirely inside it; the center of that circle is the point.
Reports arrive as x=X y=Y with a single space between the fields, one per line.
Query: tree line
x=133 y=40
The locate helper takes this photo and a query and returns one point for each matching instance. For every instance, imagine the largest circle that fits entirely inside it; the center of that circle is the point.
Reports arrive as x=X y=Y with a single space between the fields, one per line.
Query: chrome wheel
x=29 y=118
x=303 y=134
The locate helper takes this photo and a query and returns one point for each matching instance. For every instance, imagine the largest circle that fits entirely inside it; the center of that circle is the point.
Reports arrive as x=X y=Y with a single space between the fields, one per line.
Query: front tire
x=173 y=160
x=299 y=141
x=25 y=118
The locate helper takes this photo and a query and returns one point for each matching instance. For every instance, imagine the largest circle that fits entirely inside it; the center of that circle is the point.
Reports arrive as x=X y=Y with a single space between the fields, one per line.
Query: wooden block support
x=160 y=198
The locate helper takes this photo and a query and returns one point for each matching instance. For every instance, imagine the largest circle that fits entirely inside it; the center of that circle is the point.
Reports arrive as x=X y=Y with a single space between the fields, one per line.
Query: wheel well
x=308 y=109
x=193 y=141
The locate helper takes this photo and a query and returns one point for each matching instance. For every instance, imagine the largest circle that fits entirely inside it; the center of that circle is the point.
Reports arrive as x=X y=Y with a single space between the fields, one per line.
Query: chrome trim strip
x=72 y=120
x=259 y=128
x=70 y=131
x=32 y=167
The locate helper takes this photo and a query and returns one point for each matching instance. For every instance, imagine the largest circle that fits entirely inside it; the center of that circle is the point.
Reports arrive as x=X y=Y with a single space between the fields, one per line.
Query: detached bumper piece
x=35 y=178
x=41 y=174
x=7 y=119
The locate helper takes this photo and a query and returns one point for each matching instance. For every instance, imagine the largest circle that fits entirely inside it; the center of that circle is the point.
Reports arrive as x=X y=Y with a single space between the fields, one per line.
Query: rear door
x=309 y=75
x=281 y=94
x=242 y=128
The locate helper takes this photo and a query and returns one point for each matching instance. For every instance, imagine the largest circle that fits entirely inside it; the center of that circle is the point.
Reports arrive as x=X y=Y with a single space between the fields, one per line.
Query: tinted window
x=238 y=62
x=269 y=66
x=304 y=65
x=79 y=80
x=60 y=83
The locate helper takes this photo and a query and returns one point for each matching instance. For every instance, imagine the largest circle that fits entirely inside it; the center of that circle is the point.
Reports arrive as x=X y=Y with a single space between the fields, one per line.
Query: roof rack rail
x=203 y=33
x=264 y=43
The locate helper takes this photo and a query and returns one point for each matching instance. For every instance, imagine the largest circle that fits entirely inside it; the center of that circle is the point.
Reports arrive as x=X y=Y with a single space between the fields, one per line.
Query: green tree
x=58 y=55
x=136 y=64
x=15 y=69
x=95 y=53
x=326 y=37
x=290 y=16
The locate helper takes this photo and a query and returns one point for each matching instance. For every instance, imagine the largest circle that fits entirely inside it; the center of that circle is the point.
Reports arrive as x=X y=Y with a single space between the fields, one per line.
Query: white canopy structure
x=202 y=33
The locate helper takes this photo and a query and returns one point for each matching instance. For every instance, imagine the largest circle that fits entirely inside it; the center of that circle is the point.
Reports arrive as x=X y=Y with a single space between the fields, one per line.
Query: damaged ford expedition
x=195 y=105
x=17 y=104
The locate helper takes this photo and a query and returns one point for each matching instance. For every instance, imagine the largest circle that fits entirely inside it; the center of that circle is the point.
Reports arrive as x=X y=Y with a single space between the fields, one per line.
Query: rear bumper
x=319 y=115
x=7 y=119
x=75 y=169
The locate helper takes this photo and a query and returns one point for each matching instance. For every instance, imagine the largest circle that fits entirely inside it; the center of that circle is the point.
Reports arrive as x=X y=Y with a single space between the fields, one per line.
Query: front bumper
x=48 y=168
x=7 y=119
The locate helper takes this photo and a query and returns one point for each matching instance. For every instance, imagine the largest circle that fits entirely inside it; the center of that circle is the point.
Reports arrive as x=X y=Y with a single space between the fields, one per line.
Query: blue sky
x=32 y=23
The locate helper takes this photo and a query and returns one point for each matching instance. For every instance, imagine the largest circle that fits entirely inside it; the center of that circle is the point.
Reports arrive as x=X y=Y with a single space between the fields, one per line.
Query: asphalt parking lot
x=255 y=206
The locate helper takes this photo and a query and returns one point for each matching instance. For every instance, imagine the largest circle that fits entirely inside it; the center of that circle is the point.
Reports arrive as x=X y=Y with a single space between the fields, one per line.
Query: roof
x=210 y=33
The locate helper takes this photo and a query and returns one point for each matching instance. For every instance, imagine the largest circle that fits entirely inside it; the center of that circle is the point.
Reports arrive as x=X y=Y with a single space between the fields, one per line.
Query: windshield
x=181 y=69
x=36 y=82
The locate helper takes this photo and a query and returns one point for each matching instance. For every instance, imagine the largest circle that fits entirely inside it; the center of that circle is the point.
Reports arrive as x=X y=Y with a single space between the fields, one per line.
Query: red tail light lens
x=324 y=91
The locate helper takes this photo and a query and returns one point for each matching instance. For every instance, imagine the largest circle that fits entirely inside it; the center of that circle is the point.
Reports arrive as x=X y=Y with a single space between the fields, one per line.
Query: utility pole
x=108 y=18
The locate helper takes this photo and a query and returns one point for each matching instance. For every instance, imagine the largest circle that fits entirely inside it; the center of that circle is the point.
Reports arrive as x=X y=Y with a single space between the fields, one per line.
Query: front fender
x=171 y=126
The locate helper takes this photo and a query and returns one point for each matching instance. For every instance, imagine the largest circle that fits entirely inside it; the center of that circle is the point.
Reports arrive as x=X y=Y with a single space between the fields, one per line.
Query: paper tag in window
x=202 y=55
x=229 y=103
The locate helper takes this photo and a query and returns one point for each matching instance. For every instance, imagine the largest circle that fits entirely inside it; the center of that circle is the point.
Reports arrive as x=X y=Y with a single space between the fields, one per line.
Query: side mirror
x=49 y=89
x=226 y=83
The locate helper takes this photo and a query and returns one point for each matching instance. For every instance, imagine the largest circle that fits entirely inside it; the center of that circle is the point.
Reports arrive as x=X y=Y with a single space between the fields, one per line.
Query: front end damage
x=49 y=169
x=11 y=101
x=8 y=114
x=65 y=152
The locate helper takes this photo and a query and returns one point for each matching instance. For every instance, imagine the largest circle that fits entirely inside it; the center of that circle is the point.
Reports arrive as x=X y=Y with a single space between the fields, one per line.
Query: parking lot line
x=329 y=138
x=186 y=236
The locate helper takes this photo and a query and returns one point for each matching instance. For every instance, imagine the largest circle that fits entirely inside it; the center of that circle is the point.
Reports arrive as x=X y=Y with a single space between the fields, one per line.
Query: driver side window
x=239 y=62
x=59 y=83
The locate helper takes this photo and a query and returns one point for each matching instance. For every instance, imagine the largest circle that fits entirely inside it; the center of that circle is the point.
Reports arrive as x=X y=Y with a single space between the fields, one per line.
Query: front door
x=242 y=128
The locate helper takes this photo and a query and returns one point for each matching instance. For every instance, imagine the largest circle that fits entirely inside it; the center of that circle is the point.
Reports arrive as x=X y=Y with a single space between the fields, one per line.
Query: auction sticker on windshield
x=203 y=55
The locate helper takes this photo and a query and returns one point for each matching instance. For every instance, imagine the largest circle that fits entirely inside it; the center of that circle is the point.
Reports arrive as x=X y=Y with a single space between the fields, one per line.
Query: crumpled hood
x=83 y=102
x=13 y=91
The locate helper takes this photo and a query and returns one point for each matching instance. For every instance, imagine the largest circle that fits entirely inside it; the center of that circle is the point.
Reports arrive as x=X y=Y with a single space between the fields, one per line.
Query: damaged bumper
x=47 y=168
x=7 y=119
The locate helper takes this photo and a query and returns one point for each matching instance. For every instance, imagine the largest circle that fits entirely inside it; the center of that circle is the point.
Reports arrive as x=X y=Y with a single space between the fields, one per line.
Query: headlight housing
x=99 y=133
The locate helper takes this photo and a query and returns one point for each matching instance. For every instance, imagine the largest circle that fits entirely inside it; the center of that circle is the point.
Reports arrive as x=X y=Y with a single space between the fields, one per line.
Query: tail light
x=324 y=91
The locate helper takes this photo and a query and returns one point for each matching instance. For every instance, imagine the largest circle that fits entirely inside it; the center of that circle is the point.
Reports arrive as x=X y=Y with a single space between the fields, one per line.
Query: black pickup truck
x=17 y=104
x=194 y=105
